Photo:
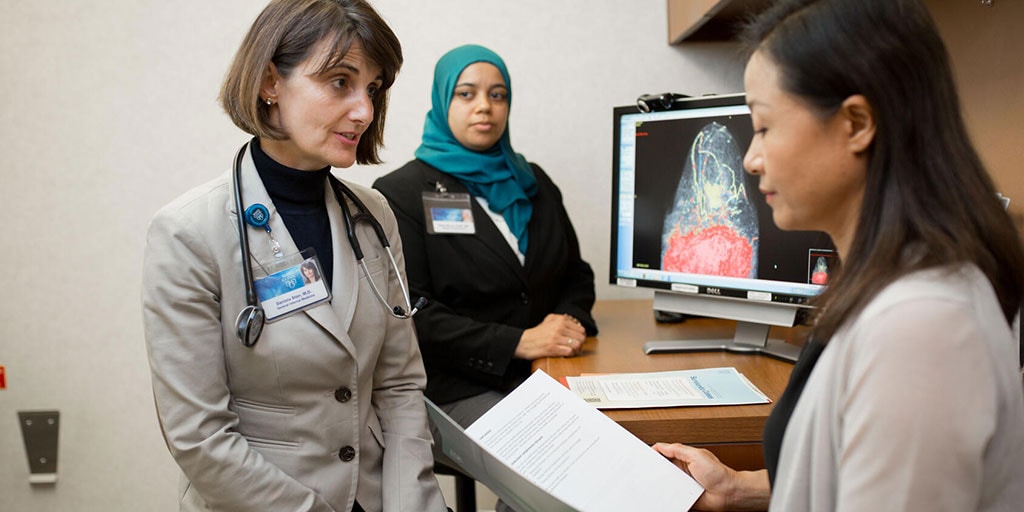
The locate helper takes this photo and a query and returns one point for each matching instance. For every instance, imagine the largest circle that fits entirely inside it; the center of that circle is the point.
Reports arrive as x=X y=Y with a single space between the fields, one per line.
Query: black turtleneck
x=778 y=419
x=298 y=197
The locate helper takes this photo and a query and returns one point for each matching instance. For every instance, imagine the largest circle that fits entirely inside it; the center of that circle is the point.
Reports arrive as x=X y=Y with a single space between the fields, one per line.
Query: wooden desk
x=733 y=433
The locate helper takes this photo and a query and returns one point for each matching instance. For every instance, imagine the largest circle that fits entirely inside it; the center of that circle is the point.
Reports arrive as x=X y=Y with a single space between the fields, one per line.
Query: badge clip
x=258 y=216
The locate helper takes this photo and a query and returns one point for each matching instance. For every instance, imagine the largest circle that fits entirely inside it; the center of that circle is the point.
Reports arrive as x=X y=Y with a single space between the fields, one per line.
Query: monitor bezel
x=794 y=301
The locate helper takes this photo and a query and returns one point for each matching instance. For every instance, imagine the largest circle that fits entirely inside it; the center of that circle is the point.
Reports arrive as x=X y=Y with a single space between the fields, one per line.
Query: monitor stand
x=750 y=338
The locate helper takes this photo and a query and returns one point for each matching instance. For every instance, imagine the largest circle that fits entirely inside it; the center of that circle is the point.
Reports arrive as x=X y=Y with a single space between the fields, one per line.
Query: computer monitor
x=690 y=223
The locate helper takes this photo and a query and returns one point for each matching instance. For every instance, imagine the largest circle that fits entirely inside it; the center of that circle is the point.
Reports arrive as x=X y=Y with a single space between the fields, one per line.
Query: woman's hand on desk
x=556 y=336
x=724 y=488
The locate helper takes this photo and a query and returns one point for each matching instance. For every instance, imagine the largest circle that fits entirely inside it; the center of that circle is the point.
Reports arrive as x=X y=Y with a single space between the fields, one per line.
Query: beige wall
x=986 y=45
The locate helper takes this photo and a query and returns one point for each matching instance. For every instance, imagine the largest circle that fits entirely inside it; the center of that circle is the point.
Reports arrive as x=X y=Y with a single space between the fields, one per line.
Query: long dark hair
x=926 y=193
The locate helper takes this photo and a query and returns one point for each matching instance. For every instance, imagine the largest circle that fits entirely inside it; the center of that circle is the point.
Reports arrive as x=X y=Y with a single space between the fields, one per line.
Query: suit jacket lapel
x=346 y=273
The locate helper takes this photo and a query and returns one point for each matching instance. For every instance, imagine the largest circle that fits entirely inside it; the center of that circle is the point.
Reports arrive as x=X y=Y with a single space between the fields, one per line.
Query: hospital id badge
x=292 y=284
x=448 y=213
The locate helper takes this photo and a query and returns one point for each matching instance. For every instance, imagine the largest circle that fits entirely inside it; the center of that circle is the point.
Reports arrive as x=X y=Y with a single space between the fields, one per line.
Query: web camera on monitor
x=657 y=102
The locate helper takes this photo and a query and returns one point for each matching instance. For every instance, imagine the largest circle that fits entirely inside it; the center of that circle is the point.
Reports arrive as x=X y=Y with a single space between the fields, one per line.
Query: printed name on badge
x=292 y=289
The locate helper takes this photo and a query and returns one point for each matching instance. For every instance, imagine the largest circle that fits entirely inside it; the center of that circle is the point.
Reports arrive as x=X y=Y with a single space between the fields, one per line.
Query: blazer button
x=343 y=394
x=524 y=298
x=347 y=453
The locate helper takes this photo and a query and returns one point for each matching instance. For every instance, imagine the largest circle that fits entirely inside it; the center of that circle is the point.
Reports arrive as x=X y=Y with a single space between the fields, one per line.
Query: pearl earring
x=269 y=102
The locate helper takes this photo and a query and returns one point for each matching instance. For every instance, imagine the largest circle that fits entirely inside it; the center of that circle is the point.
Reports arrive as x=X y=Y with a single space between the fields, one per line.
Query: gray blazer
x=325 y=409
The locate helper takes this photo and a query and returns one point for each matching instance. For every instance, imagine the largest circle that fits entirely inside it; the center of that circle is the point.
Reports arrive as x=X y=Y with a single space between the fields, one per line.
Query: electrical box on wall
x=39 y=430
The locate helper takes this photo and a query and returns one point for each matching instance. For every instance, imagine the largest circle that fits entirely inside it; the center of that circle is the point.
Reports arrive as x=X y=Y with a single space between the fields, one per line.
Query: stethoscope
x=250 y=321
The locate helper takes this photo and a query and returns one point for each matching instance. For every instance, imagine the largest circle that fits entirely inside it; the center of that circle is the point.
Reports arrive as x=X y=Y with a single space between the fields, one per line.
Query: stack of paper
x=543 y=449
x=711 y=386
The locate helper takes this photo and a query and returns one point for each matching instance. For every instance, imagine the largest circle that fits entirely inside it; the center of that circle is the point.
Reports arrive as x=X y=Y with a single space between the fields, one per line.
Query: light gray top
x=915 y=405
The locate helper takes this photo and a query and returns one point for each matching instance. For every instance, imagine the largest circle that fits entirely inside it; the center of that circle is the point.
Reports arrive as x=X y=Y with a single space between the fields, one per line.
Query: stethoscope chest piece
x=250 y=324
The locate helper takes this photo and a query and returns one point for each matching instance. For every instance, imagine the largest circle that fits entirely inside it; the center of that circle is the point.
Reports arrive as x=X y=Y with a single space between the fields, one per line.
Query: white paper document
x=542 y=448
x=710 y=386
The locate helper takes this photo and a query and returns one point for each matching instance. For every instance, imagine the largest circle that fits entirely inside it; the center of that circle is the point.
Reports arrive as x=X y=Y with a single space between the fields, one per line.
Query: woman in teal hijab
x=487 y=242
x=496 y=173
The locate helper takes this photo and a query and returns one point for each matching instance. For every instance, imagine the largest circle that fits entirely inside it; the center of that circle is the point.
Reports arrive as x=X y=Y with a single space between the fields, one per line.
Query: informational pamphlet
x=543 y=449
x=710 y=386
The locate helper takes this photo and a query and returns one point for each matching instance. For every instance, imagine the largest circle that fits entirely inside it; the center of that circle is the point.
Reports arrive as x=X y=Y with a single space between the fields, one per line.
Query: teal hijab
x=499 y=174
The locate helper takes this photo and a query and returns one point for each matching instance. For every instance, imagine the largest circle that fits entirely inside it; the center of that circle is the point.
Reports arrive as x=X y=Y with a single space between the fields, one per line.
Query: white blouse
x=499 y=222
x=916 y=404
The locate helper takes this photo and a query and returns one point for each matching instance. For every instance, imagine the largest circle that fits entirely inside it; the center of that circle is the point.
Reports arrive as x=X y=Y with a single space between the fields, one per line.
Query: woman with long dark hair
x=908 y=395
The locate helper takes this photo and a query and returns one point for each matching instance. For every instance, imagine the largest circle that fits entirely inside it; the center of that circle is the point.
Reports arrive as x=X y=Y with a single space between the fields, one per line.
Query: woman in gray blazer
x=322 y=408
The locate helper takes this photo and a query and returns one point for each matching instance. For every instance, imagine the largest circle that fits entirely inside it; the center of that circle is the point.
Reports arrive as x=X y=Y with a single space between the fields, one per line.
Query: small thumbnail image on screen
x=820 y=263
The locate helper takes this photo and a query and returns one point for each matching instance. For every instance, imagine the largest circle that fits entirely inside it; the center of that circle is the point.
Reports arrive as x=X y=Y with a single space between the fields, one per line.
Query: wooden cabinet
x=708 y=20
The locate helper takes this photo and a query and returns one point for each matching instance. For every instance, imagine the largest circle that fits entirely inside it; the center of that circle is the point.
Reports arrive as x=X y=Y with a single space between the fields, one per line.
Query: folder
x=542 y=448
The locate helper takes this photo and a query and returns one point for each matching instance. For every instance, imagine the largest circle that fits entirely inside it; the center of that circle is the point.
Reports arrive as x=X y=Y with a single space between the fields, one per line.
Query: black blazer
x=481 y=298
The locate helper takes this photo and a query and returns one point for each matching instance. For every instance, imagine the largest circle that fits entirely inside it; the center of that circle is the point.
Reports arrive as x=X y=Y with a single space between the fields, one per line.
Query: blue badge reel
x=258 y=216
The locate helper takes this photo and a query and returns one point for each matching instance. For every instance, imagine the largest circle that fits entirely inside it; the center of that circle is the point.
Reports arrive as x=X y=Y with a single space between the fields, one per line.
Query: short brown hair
x=285 y=34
